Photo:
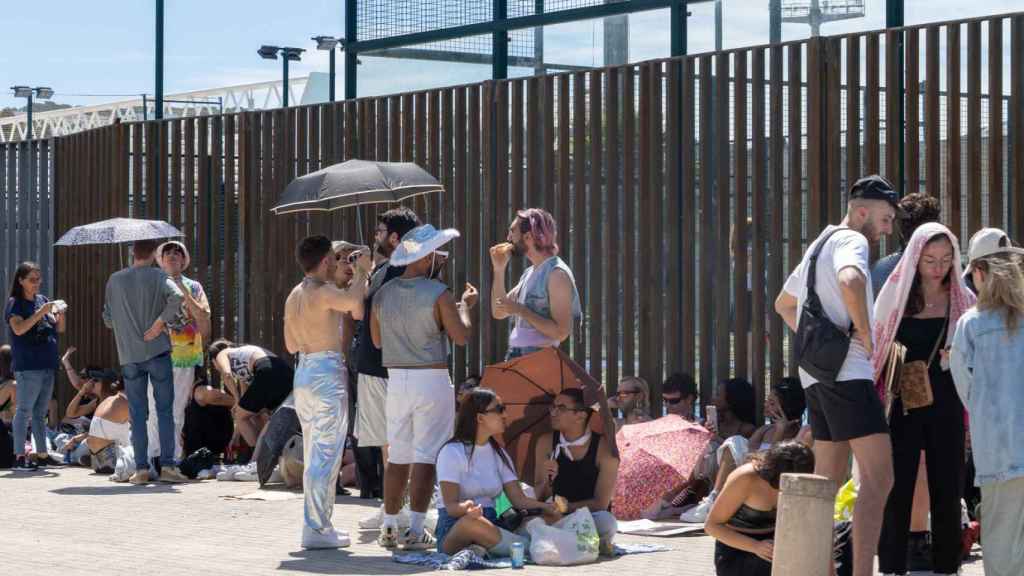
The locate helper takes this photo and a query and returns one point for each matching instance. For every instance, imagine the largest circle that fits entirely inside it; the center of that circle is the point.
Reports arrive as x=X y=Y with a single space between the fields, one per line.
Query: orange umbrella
x=528 y=387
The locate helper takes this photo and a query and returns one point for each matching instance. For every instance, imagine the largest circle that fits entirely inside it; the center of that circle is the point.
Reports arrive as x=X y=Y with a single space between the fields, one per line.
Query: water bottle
x=518 y=555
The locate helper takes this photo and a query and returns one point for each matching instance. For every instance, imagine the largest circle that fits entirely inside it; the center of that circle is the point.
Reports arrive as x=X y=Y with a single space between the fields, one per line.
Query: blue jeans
x=445 y=523
x=33 y=398
x=137 y=377
x=514 y=353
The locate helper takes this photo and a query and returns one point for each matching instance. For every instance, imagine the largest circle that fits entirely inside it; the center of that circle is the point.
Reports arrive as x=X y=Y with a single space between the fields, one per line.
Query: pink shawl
x=892 y=299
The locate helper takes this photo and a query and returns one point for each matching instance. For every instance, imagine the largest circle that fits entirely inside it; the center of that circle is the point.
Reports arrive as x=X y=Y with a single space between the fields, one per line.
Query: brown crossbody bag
x=909 y=381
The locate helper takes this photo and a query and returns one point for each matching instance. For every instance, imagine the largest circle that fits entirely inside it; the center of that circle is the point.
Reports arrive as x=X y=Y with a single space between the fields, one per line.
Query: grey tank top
x=409 y=333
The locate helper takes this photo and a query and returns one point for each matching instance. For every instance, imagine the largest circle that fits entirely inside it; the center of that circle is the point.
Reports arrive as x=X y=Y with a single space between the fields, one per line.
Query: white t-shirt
x=846 y=248
x=480 y=477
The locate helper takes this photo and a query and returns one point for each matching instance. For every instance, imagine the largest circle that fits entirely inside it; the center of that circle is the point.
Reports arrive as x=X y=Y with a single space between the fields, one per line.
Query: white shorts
x=371 y=412
x=118 y=432
x=420 y=414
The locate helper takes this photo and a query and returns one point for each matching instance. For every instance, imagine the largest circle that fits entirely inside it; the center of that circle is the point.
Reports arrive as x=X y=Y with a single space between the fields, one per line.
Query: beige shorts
x=371 y=416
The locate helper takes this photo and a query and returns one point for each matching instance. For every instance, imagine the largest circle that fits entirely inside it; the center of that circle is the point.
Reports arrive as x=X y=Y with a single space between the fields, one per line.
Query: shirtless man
x=312 y=315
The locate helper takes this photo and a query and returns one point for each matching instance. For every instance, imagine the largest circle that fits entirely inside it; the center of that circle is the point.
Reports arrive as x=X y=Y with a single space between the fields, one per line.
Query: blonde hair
x=644 y=404
x=1003 y=288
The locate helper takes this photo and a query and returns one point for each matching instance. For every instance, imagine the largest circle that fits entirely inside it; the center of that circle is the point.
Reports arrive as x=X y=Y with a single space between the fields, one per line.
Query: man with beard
x=545 y=303
x=312 y=315
x=846 y=414
x=372 y=380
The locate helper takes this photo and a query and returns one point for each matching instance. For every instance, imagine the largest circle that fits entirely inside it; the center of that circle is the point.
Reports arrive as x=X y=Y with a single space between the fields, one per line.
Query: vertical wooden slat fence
x=650 y=170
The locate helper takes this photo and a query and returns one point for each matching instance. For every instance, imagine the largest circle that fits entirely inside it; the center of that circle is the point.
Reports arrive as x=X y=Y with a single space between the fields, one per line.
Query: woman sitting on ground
x=257 y=378
x=633 y=400
x=473 y=470
x=742 y=519
x=8 y=389
x=208 y=422
x=785 y=407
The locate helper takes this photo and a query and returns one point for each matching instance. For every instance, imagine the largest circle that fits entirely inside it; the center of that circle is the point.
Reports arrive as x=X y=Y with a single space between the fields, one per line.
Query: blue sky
x=106 y=46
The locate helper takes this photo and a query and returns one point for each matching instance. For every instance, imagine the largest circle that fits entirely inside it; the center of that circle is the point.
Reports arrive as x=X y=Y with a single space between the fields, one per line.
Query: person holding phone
x=33 y=322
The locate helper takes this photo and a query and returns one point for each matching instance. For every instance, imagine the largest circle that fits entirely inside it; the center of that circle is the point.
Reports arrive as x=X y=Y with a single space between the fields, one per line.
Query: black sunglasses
x=672 y=401
x=499 y=409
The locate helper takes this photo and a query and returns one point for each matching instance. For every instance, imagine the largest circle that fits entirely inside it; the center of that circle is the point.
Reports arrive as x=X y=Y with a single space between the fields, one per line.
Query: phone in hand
x=712 y=417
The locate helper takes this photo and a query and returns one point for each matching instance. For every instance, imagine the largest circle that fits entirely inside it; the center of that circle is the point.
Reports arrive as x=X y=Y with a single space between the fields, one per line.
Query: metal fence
x=26 y=212
x=649 y=168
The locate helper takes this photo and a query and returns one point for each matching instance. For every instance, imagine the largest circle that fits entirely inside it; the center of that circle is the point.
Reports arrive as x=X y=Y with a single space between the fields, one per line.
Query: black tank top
x=577 y=480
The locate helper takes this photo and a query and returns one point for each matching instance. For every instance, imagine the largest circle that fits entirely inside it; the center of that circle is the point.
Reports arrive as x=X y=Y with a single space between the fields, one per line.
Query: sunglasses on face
x=559 y=409
x=499 y=409
x=628 y=392
x=671 y=401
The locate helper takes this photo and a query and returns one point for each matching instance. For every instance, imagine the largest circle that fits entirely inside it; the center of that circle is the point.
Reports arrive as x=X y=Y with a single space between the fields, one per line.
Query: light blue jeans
x=34 y=390
x=137 y=378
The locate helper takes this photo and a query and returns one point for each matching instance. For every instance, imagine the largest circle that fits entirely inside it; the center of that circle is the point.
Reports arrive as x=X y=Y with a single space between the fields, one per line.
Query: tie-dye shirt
x=186 y=341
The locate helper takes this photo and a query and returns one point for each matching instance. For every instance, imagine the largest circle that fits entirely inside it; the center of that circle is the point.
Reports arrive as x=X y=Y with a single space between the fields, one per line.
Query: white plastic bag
x=125 y=464
x=572 y=540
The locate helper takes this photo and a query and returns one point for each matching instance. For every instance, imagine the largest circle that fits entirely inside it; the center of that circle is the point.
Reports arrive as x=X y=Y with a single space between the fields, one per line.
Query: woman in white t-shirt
x=473 y=470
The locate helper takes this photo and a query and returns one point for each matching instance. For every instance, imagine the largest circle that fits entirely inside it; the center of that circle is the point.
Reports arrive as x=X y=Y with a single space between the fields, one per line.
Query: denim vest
x=987 y=361
x=532 y=292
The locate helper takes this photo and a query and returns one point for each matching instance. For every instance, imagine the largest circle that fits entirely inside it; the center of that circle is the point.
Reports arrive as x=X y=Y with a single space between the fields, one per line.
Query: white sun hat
x=420 y=242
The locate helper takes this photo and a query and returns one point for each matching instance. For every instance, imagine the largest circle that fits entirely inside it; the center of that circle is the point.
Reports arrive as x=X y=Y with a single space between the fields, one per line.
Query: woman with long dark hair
x=473 y=470
x=33 y=322
x=987 y=361
x=918 y=307
x=742 y=519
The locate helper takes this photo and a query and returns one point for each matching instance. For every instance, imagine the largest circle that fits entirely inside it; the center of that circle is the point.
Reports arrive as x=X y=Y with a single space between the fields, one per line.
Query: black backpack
x=820 y=346
x=6 y=447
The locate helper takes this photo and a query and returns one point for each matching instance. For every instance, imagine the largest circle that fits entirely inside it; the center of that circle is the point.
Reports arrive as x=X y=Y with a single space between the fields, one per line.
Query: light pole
x=41 y=92
x=329 y=43
x=287 y=54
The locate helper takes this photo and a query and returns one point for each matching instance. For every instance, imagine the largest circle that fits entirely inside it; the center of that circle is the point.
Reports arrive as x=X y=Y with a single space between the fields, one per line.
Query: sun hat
x=420 y=242
x=343 y=245
x=160 y=253
x=988 y=242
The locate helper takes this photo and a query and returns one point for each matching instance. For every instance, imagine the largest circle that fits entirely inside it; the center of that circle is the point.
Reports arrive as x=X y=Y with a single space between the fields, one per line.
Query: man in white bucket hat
x=412 y=318
x=189 y=332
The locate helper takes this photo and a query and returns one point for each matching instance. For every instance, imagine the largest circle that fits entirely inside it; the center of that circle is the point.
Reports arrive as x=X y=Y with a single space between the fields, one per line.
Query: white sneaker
x=275 y=477
x=228 y=473
x=421 y=541
x=699 y=513
x=373 y=522
x=315 y=540
x=247 y=473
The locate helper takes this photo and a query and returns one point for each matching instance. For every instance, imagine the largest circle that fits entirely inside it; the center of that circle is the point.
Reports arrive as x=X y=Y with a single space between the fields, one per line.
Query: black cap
x=874 y=187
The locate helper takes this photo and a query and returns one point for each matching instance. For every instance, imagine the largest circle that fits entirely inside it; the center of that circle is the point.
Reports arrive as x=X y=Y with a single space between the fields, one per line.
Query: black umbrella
x=353 y=183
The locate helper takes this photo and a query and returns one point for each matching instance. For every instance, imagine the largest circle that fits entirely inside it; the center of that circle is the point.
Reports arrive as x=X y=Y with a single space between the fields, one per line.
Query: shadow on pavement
x=30 y=474
x=339 y=562
x=115 y=490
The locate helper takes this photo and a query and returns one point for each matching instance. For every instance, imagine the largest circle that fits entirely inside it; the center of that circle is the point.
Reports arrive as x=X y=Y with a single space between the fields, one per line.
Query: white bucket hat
x=987 y=242
x=421 y=242
x=160 y=253
x=342 y=245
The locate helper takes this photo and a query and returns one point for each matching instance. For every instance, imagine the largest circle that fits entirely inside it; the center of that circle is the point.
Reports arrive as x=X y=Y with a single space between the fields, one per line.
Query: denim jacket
x=532 y=292
x=987 y=362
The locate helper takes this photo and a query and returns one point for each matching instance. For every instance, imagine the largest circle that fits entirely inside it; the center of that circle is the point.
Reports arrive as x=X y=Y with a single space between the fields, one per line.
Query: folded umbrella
x=118 y=231
x=528 y=387
x=657 y=457
x=355 y=182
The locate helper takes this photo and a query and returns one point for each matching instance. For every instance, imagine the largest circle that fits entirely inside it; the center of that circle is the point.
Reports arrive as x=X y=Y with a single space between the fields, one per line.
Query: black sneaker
x=47 y=461
x=919 y=552
x=24 y=464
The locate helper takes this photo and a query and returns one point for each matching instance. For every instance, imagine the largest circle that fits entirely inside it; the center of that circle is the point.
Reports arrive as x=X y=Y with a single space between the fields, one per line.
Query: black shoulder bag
x=820 y=345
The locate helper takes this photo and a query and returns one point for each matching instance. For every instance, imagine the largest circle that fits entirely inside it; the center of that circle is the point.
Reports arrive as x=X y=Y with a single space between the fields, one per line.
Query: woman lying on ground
x=742 y=519
x=473 y=470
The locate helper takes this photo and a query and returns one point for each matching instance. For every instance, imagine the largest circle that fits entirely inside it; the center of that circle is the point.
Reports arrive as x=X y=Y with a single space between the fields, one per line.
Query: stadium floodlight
x=44 y=93
x=326 y=42
x=293 y=54
x=268 y=52
x=21 y=91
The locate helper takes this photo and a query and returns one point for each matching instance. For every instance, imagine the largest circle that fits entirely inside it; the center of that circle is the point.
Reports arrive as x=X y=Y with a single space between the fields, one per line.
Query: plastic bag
x=125 y=466
x=572 y=540
x=845 y=500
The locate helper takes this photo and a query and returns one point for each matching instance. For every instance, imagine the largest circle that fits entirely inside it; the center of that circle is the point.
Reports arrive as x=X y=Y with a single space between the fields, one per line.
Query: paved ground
x=69 y=521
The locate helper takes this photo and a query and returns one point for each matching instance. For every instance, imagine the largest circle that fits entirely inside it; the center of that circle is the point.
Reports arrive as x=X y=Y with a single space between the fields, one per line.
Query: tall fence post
x=803 y=528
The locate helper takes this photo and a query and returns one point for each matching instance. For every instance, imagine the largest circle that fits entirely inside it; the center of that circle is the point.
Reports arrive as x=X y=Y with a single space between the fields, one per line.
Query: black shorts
x=841 y=411
x=271 y=384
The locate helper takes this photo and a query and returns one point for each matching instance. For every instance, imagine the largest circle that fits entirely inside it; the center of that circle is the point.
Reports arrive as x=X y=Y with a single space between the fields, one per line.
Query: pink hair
x=542 y=225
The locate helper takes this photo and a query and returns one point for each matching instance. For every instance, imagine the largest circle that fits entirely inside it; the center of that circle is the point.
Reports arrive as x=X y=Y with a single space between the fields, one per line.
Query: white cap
x=987 y=242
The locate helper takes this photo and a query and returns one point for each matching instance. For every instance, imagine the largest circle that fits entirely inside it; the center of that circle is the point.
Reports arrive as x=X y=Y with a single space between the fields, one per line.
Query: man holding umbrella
x=412 y=319
x=141 y=302
x=545 y=303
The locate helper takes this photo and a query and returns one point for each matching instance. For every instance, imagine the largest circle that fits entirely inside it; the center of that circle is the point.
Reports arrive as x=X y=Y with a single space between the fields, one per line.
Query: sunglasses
x=499 y=409
x=671 y=401
x=557 y=409
x=628 y=392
